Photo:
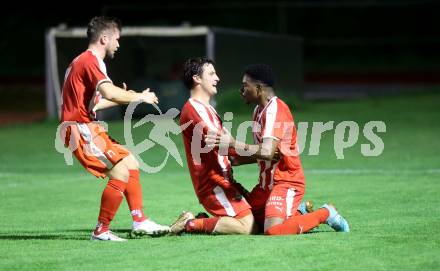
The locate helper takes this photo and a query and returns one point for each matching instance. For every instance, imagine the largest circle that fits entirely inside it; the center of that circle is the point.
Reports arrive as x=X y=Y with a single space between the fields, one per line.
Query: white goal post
x=53 y=80
x=159 y=48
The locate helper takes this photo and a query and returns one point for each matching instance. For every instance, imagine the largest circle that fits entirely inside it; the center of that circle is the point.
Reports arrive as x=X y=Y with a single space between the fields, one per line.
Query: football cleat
x=148 y=227
x=305 y=207
x=107 y=236
x=335 y=220
x=179 y=225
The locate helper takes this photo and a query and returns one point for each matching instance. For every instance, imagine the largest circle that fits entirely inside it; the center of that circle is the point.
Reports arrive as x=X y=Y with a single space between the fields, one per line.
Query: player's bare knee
x=247 y=229
x=248 y=225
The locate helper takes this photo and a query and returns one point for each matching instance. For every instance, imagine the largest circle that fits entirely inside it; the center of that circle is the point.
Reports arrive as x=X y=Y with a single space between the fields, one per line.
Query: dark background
x=339 y=36
x=376 y=41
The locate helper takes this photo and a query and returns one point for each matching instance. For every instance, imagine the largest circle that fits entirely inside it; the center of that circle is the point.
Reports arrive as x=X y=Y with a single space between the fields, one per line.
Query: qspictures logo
x=346 y=134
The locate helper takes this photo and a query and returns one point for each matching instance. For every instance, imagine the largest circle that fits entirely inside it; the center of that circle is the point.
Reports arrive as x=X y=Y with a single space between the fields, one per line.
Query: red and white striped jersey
x=207 y=169
x=80 y=88
x=275 y=120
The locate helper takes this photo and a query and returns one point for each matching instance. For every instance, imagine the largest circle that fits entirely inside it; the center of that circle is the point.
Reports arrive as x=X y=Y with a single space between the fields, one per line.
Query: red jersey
x=207 y=169
x=80 y=88
x=275 y=120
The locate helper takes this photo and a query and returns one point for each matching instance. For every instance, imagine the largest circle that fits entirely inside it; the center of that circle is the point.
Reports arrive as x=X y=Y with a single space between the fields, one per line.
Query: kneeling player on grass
x=210 y=172
x=277 y=197
x=87 y=88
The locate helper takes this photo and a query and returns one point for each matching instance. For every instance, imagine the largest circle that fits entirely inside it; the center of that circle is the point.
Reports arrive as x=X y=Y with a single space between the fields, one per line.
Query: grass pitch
x=48 y=209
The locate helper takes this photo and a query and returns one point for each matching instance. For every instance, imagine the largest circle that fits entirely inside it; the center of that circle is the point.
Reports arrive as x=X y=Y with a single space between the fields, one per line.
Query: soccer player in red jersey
x=277 y=196
x=87 y=88
x=210 y=171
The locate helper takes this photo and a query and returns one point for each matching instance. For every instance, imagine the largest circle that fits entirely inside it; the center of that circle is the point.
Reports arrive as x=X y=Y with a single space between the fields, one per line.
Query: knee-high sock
x=110 y=201
x=202 y=225
x=299 y=224
x=133 y=195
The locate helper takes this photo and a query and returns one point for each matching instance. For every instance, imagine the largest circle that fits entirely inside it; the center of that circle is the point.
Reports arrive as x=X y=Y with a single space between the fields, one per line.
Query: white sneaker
x=148 y=227
x=179 y=225
x=106 y=236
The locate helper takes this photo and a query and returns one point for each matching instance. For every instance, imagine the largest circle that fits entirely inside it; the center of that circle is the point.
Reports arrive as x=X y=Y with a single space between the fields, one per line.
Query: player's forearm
x=264 y=151
x=260 y=151
x=117 y=95
x=103 y=104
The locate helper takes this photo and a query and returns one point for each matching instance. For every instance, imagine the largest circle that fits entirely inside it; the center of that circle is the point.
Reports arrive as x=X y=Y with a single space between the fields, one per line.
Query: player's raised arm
x=121 y=96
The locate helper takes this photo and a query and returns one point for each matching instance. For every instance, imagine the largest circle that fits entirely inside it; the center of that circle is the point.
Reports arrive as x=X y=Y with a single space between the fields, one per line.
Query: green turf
x=48 y=209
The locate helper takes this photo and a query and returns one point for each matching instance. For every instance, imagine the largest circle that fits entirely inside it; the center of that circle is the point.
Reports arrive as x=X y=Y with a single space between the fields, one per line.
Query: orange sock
x=133 y=195
x=300 y=224
x=201 y=225
x=111 y=199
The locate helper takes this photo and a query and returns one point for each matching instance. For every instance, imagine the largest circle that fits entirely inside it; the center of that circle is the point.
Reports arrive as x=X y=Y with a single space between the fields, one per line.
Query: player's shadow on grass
x=49 y=236
x=73 y=234
x=84 y=234
x=89 y=231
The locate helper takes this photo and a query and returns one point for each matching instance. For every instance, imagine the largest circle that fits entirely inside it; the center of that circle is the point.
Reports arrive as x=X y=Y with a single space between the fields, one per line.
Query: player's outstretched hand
x=219 y=139
x=212 y=139
x=149 y=97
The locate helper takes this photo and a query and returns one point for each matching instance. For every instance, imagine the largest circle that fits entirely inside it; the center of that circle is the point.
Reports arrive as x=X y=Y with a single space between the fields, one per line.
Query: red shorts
x=221 y=202
x=282 y=201
x=93 y=147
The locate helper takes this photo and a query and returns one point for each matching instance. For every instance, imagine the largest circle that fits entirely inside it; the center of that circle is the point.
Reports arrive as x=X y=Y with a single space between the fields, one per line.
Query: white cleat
x=106 y=236
x=148 y=227
x=179 y=225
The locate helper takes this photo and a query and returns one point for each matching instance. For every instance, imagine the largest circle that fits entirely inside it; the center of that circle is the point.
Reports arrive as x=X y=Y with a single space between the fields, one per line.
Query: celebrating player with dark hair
x=210 y=171
x=277 y=197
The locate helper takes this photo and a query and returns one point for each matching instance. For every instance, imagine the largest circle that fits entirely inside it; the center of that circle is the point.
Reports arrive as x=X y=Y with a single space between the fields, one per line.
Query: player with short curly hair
x=277 y=197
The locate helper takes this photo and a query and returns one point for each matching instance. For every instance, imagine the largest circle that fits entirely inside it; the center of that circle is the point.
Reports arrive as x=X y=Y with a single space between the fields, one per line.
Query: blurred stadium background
x=349 y=49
